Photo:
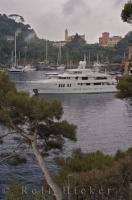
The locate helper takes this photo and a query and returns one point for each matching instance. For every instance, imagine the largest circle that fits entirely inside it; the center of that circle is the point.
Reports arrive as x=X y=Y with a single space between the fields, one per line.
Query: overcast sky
x=50 y=18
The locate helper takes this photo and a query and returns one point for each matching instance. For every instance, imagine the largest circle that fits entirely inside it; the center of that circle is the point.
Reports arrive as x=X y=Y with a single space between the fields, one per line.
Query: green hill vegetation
x=32 y=49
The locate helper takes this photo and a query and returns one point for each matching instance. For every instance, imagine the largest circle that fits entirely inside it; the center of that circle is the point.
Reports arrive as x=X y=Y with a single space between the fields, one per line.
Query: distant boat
x=16 y=69
x=98 y=64
x=28 y=68
x=50 y=75
x=61 y=67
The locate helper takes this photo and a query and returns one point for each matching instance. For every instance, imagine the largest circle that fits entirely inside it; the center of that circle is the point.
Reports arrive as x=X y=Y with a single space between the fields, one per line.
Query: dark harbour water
x=104 y=123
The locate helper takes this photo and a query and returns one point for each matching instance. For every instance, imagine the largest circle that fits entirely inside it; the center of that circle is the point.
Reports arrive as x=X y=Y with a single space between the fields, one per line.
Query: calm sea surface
x=104 y=123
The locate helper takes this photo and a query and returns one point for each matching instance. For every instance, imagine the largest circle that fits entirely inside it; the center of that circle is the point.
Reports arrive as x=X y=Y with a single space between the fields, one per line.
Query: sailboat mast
x=89 y=59
x=12 y=58
x=60 y=54
x=97 y=58
x=46 y=54
x=15 y=49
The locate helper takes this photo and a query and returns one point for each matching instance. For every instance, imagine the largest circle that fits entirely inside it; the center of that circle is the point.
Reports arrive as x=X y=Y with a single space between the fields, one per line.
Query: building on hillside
x=103 y=41
x=59 y=43
x=106 y=41
x=68 y=38
x=113 y=41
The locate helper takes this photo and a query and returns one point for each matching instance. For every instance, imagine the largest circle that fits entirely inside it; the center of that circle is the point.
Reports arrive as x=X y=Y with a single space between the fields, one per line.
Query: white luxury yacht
x=80 y=80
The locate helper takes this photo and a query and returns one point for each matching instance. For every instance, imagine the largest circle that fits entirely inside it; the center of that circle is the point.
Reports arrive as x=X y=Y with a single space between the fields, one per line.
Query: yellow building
x=69 y=38
x=106 y=41
x=113 y=41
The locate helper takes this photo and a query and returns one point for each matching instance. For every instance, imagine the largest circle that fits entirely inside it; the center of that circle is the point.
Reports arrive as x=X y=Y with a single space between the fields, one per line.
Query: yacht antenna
x=15 y=47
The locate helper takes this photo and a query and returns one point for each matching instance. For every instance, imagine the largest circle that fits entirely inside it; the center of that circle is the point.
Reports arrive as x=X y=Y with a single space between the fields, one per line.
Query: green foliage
x=80 y=162
x=119 y=155
x=125 y=87
x=19 y=109
x=8 y=27
x=15 y=191
x=95 y=171
x=127 y=12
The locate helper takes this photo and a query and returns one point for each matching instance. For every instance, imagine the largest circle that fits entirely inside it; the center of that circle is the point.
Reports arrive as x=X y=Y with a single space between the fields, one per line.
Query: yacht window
x=76 y=78
x=84 y=84
x=84 y=78
x=61 y=85
x=101 y=78
x=62 y=77
x=97 y=83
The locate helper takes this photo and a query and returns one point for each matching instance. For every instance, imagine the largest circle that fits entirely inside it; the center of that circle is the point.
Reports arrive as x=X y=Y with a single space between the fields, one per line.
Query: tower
x=66 y=35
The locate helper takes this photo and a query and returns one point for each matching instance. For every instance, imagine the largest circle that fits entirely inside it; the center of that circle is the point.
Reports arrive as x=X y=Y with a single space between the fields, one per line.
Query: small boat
x=28 y=68
x=61 y=68
x=16 y=69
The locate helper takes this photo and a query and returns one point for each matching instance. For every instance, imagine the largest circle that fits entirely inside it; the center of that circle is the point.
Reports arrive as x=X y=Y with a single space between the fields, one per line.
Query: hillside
x=122 y=47
x=8 y=27
x=31 y=49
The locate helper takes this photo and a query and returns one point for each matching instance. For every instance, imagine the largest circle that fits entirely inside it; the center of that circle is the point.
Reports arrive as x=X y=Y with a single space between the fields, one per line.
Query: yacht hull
x=75 y=91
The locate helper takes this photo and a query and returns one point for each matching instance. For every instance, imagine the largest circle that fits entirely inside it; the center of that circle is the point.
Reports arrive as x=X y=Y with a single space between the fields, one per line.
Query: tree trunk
x=55 y=188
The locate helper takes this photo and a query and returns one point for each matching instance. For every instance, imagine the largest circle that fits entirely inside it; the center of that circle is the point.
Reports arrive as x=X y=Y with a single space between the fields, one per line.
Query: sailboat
x=60 y=67
x=97 y=64
x=15 y=67
x=44 y=65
